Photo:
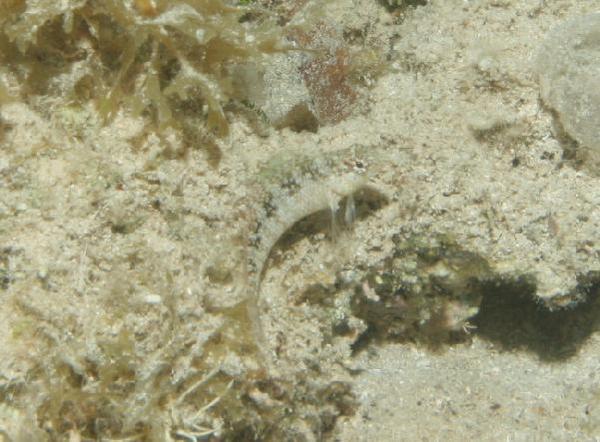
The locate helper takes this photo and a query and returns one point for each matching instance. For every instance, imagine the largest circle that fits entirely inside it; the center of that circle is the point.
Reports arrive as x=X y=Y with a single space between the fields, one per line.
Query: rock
x=568 y=64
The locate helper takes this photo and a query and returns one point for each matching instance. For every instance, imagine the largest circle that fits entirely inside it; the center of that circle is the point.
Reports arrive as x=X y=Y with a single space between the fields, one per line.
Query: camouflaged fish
x=293 y=186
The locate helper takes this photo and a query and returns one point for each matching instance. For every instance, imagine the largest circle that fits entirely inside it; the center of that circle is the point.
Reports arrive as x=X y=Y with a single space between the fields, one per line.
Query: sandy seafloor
x=104 y=228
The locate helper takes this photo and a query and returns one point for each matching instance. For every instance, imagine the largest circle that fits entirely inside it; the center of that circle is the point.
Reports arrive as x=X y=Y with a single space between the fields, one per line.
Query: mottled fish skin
x=292 y=187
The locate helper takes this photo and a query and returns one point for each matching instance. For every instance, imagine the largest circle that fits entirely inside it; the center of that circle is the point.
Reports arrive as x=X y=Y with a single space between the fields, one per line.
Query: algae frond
x=160 y=58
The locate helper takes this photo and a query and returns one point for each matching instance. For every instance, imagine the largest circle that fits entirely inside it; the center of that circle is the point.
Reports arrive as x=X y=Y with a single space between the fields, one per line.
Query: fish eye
x=359 y=166
x=356 y=165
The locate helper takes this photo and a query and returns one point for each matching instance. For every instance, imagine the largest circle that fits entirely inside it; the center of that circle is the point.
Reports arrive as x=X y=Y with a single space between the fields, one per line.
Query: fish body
x=294 y=186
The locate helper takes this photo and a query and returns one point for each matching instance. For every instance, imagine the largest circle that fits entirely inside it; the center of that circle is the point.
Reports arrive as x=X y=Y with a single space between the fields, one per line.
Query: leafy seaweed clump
x=158 y=58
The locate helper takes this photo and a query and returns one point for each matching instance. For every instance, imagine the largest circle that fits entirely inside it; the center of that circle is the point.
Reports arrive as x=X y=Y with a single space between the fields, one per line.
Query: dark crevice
x=511 y=316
